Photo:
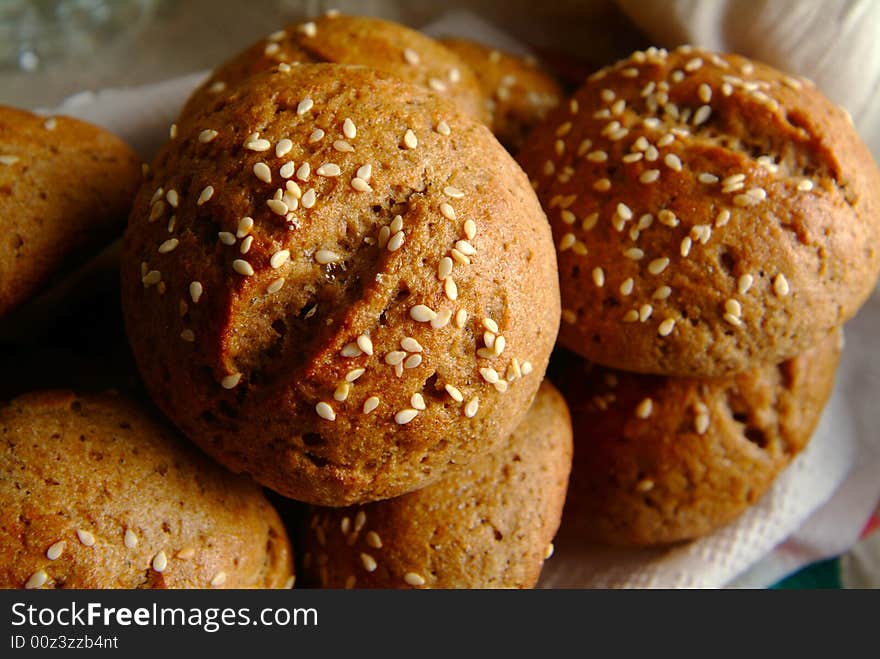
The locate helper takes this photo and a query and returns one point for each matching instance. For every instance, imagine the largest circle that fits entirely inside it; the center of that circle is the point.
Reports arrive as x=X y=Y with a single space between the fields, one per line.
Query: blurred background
x=50 y=49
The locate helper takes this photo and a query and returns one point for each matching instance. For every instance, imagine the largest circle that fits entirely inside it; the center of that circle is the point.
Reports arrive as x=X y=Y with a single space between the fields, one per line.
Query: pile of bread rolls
x=340 y=287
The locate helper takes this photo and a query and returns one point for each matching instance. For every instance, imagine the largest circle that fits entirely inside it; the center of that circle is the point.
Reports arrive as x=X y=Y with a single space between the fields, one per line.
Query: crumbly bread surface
x=384 y=306
x=663 y=459
x=65 y=186
x=710 y=213
x=94 y=493
x=516 y=92
x=355 y=40
x=486 y=525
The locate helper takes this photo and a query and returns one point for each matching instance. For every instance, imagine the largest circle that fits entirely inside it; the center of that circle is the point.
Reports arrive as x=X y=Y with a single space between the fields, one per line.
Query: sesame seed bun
x=65 y=188
x=383 y=307
x=663 y=459
x=356 y=40
x=516 y=92
x=94 y=493
x=486 y=525
x=711 y=214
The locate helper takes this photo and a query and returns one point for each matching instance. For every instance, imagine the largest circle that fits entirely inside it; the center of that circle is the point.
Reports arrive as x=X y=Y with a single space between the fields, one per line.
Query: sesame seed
x=206 y=195
x=342 y=391
x=702 y=114
x=258 y=145
x=309 y=198
x=316 y=136
x=354 y=374
x=657 y=266
x=172 y=131
x=599 y=277
x=666 y=140
x=470 y=410
x=349 y=129
x=414 y=579
x=262 y=172
x=666 y=327
x=454 y=393
x=287 y=169
x=567 y=242
x=745 y=283
x=805 y=185
x=590 y=221
x=230 y=381
x=8 y=160
x=707 y=178
x=597 y=156
x=686 y=244
x=644 y=409
x=370 y=404
x=450 y=288
x=275 y=286
x=704 y=91
x=130 y=539
x=279 y=258
x=405 y=416
x=304 y=106
x=169 y=246
x=152 y=278
x=218 y=580
x=413 y=361
x=490 y=375
x=422 y=313
x=465 y=248
x=394 y=357
x=396 y=241
x=86 y=538
x=188 y=335
x=325 y=256
x=651 y=153
x=632 y=157
x=360 y=185
x=701 y=423
x=242 y=267
x=672 y=161
x=645 y=312
x=373 y=540
x=343 y=146
x=780 y=285
x=500 y=344
x=325 y=411
x=55 y=550
x=410 y=140
x=627 y=286
x=444 y=268
x=160 y=562
x=156 y=211
x=217 y=87
x=365 y=344
x=328 y=169
x=37 y=580
x=271 y=49
x=368 y=562
x=461 y=317
x=602 y=185
x=634 y=253
x=207 y=135
x=470 y=229
x=418 y=402
x=447 y=211
x=649 y=176
x=411 y=56
x=443 y=128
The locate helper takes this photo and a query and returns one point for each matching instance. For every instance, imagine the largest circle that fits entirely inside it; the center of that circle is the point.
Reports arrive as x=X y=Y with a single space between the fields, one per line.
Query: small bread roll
x=357 y=40
x=96 y=494
x=486 y=525
x=339 y=283
x=517 y=93
x=65 y=188
x=711 y=214
x=663 y=459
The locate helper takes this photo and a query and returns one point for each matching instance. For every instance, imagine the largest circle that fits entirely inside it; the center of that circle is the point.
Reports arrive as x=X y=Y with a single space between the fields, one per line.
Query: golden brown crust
x=65 y=186
x=516 y=92
x=695 y=272
x=662 y=459
x=293 y=415
x=486 y=525
x=355 y=40
x=96 y=480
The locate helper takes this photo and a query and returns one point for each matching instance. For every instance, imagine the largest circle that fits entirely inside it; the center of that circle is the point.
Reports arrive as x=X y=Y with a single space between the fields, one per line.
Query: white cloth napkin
x=814 y=510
